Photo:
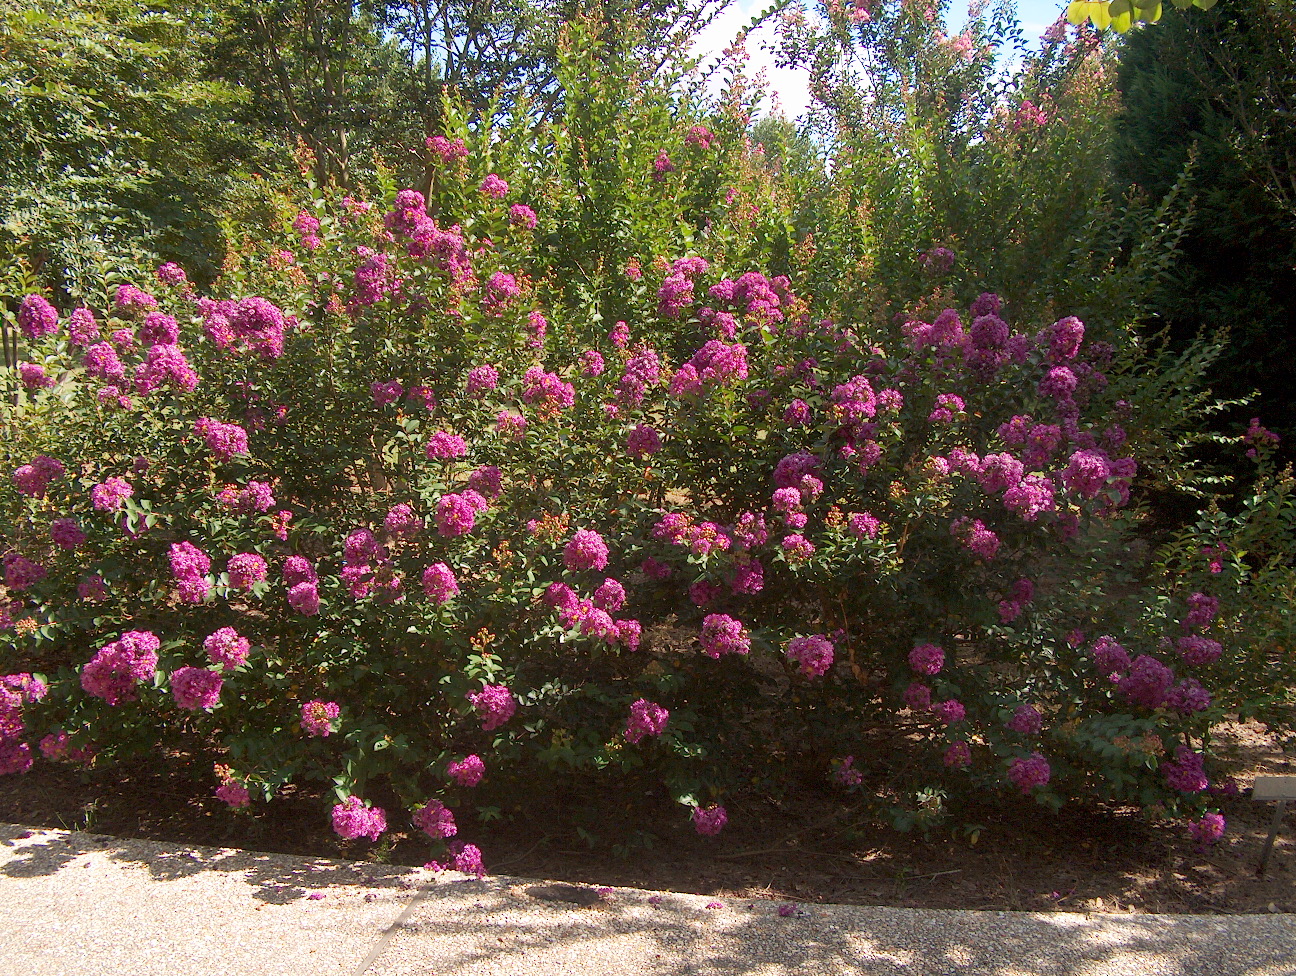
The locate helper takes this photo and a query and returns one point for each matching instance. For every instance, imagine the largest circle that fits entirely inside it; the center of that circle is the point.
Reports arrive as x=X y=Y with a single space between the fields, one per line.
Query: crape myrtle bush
x=402 y=512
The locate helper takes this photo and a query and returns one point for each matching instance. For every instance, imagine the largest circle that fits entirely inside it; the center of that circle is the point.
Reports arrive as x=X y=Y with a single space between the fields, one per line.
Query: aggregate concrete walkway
x=74 y=904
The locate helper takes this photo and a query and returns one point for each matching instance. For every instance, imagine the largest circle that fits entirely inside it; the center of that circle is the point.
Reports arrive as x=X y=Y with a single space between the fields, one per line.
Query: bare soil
x=808 y=847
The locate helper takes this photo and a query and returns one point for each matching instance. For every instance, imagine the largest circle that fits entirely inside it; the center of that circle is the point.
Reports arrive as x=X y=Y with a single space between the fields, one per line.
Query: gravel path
x=77 y=904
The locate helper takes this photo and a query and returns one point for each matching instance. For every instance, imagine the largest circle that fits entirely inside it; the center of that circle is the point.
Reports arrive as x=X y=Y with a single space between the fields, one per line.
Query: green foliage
x=114 y=144
x=937 y=143
x=1207 y=101
x=1121 y=15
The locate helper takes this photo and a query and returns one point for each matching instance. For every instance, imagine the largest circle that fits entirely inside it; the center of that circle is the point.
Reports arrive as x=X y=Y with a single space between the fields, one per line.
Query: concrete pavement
x=74 y=904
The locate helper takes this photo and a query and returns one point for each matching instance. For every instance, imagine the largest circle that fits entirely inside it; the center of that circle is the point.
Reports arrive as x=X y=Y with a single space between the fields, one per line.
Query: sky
x=789 y=87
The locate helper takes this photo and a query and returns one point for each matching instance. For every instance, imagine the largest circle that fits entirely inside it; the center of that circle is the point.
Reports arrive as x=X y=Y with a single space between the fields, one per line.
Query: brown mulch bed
x=803 y=848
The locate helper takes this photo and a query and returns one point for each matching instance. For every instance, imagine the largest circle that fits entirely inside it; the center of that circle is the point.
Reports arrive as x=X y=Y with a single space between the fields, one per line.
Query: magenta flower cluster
x=225 y=441
x=435 y=819
x=812 y=655
x=585 y=550
x=709 y=821
x=190 y=566
x=195 y=688
x=495 y=705
x=117 y=668
x=226 y=648
x=439 y=583
x=317 y=717
x=927 y=659
x=352 y=819
x=722 y=634
x=467 y=771
x=1028 y=772
x=646 y=718
x=34 y=479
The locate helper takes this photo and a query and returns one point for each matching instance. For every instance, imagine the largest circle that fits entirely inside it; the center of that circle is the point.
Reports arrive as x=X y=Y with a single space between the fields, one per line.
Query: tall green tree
x=1212 y=94
x=114 y=137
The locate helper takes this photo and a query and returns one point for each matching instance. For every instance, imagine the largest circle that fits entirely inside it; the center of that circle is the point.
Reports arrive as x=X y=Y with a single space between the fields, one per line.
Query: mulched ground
x=804 y=848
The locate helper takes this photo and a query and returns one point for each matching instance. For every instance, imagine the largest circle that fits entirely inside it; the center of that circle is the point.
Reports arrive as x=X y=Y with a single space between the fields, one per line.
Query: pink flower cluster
x=83 y=330
x=495 y=187
x=457 y=512
x=303 y=585
x=251 y=324
x=1029 y=116
x=1022 y=592
x=709 y=821
x=439 y=583
x=467 y=771
x=522 y=216
x=646 y=718
x=927 y=659
x=130 y=300
x=245 y=570
x=15 y=691
x=1259 y=438
x=975 y=537
x=948 y=407
x=165 y=364
x=1026 y=719
x=189 y=566
x=37 y=318
x=937 y=260
x=447 y=150
x=812 y=655
x=1207 y=830
x=722 y=634
x=446 y=248
x=700 y=136
x=917 y=696
x=585 y=550
x=481 y=380
x=488 y=480
x=1029 y=772
x=353 y=819
x=643 y=441
x=547 y=391
x=444 y=446
x=226 y=648
x=1202 y=611
x=435 y=819
x=715 y=364
x=58 y=746
x=115 y=670
x=1198 y=650
x=33 y=376
x=195 y=688
x=256 y=496
x=66 y=534
x=111 y=495
x=234 y=793
x=1187 y=773
x=386 y=393
x=958 y=755
x=676 y=291
x=34 y=479
x=20 y=573
x=495 y=705
x=317 y=717
x=1147 y=682
x=847 y=774
x=226 y=441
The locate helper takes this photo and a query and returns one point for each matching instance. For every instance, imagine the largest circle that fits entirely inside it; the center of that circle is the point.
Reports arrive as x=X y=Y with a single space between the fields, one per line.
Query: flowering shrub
x=411 y=498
